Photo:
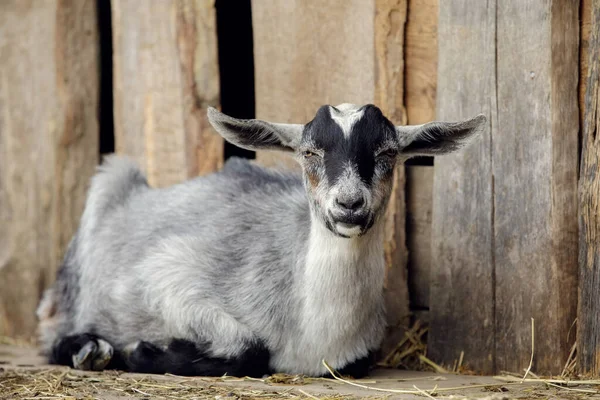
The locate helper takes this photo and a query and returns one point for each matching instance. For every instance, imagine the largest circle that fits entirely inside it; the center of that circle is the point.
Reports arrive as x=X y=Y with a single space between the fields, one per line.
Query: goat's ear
x=435 y=138
x=254 y=134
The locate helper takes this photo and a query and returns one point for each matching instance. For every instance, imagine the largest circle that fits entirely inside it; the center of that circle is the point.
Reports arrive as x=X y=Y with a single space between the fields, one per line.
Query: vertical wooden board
x=419 y=197
x=307 y=54
x=421 y=63
x=48 y=144
x=585 y=29
x=588 y=323
x=390 y=21
x=462 y=297
x=535 y=178
x=389 y=37
x=421 y=60
x=396 y=257
x=565 y=35
x=165 y=76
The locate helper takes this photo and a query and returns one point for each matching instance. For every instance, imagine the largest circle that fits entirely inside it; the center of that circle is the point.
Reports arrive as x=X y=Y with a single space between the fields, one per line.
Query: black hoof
x=85 y=351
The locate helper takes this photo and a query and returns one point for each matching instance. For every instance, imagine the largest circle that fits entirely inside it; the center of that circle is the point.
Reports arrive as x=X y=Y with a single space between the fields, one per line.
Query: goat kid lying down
x=246 y=271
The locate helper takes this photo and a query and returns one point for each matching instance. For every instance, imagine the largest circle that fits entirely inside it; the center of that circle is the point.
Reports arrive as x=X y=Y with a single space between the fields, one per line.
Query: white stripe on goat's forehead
x=345 y=116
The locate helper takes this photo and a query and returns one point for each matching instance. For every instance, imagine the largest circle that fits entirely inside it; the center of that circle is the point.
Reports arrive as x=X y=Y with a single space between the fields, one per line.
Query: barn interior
x=492 y=254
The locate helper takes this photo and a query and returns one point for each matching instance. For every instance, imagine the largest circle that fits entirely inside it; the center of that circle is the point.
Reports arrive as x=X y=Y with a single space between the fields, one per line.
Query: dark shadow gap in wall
x=105 y=107
x=425 y=161
x=236 y=64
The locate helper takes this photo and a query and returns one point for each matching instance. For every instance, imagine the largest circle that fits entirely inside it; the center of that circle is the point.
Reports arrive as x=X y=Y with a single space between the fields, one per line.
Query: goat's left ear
x=436 y=138
x=254 y=134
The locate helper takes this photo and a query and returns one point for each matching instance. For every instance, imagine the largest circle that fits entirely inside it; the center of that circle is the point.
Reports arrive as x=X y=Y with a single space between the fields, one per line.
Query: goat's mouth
x=348 y=230
x=349 y=226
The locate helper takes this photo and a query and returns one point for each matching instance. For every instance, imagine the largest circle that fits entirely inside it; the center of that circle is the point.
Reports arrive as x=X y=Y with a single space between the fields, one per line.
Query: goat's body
x=229 y=259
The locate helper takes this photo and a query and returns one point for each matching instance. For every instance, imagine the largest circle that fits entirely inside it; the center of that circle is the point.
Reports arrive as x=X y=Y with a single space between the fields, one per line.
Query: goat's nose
x=350 y=203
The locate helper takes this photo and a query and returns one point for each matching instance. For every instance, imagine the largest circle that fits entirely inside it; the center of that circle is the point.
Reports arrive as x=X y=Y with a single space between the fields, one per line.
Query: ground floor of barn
x=24 y=375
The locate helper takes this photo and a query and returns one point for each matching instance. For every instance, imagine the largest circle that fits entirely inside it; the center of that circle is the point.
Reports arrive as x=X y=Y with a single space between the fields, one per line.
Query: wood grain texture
x=307 y=54
x=462 y=285
x=48 y=144
x=419 y=198
x=421 y=60
x=585 y=27
x=504 y=234
x=390 y=21
x=588 y=340
x=535 y=182
x=420 y=71
x=165 y=76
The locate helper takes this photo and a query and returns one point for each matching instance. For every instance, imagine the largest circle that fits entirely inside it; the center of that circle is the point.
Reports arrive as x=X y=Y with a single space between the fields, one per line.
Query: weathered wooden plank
x=419 y=198
x=165 y=76
x=421 y=50
x=585 y=27
x=396 y=256
x=461 y=300
x=390 y=21
x=304 y=58
x=535 y=182
x=48 y=144
x=528 y=175
x=311 y=53
x=420 y=71
x=588 y=332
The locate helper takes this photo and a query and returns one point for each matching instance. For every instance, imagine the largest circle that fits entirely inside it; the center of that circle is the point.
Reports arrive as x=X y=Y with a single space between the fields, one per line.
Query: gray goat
x=245 y=271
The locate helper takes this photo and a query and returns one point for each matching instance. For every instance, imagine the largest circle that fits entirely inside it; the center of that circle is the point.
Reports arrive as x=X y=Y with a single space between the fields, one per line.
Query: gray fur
x=232 y=257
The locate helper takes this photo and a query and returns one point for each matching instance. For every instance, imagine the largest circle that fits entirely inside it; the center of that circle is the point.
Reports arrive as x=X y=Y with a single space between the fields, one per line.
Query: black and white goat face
x=348 y=154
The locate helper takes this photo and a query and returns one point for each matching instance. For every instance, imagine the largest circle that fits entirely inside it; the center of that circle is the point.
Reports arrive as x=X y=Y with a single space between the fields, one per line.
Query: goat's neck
x=342 y=277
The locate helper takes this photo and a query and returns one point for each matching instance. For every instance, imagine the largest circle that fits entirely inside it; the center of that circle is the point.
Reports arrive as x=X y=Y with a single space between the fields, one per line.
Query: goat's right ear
x=436 y=138
x=254 y=134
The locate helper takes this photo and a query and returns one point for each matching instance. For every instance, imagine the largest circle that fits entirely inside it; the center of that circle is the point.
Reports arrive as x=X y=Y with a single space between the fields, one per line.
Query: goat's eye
x=390 y=153
x=308 y=154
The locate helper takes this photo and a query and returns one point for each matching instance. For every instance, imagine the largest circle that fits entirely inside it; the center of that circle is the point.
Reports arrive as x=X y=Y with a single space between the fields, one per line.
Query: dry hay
x=64 y=383
x=411 y=353
x=67 y=384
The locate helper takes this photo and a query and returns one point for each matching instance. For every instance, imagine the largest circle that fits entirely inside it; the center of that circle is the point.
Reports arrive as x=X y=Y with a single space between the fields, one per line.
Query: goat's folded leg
x=358 y=368
x=186 y=358
x=84 y=351
x=220 y=345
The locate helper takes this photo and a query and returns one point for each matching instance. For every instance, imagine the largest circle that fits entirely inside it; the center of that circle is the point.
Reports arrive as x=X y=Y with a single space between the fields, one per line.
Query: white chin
x=348 y=230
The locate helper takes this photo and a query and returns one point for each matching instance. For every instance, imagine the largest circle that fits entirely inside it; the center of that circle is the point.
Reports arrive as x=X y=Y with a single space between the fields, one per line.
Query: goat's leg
x=186 y=358
x=358 y=368
x=224 y=345
x=85 y=351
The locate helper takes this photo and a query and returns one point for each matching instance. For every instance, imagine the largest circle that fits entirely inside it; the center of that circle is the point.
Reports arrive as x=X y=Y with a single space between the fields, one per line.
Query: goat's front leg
x=212 y=343
x=86 y=351
x=186 y=358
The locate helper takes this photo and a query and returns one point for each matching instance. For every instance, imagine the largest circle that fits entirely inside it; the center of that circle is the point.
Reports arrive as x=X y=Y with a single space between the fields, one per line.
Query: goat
x=245 y=271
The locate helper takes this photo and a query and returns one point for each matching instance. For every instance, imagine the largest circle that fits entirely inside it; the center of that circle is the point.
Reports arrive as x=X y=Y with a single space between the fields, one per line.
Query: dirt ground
x=24 y=375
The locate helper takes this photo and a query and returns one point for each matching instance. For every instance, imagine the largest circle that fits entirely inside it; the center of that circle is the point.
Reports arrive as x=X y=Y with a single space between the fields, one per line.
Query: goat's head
x=348 y=154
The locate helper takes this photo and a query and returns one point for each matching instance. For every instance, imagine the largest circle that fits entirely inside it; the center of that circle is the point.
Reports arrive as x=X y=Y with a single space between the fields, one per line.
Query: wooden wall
x=505 y=211
x=588 y=340
x=48 y=144
x=165 y=76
